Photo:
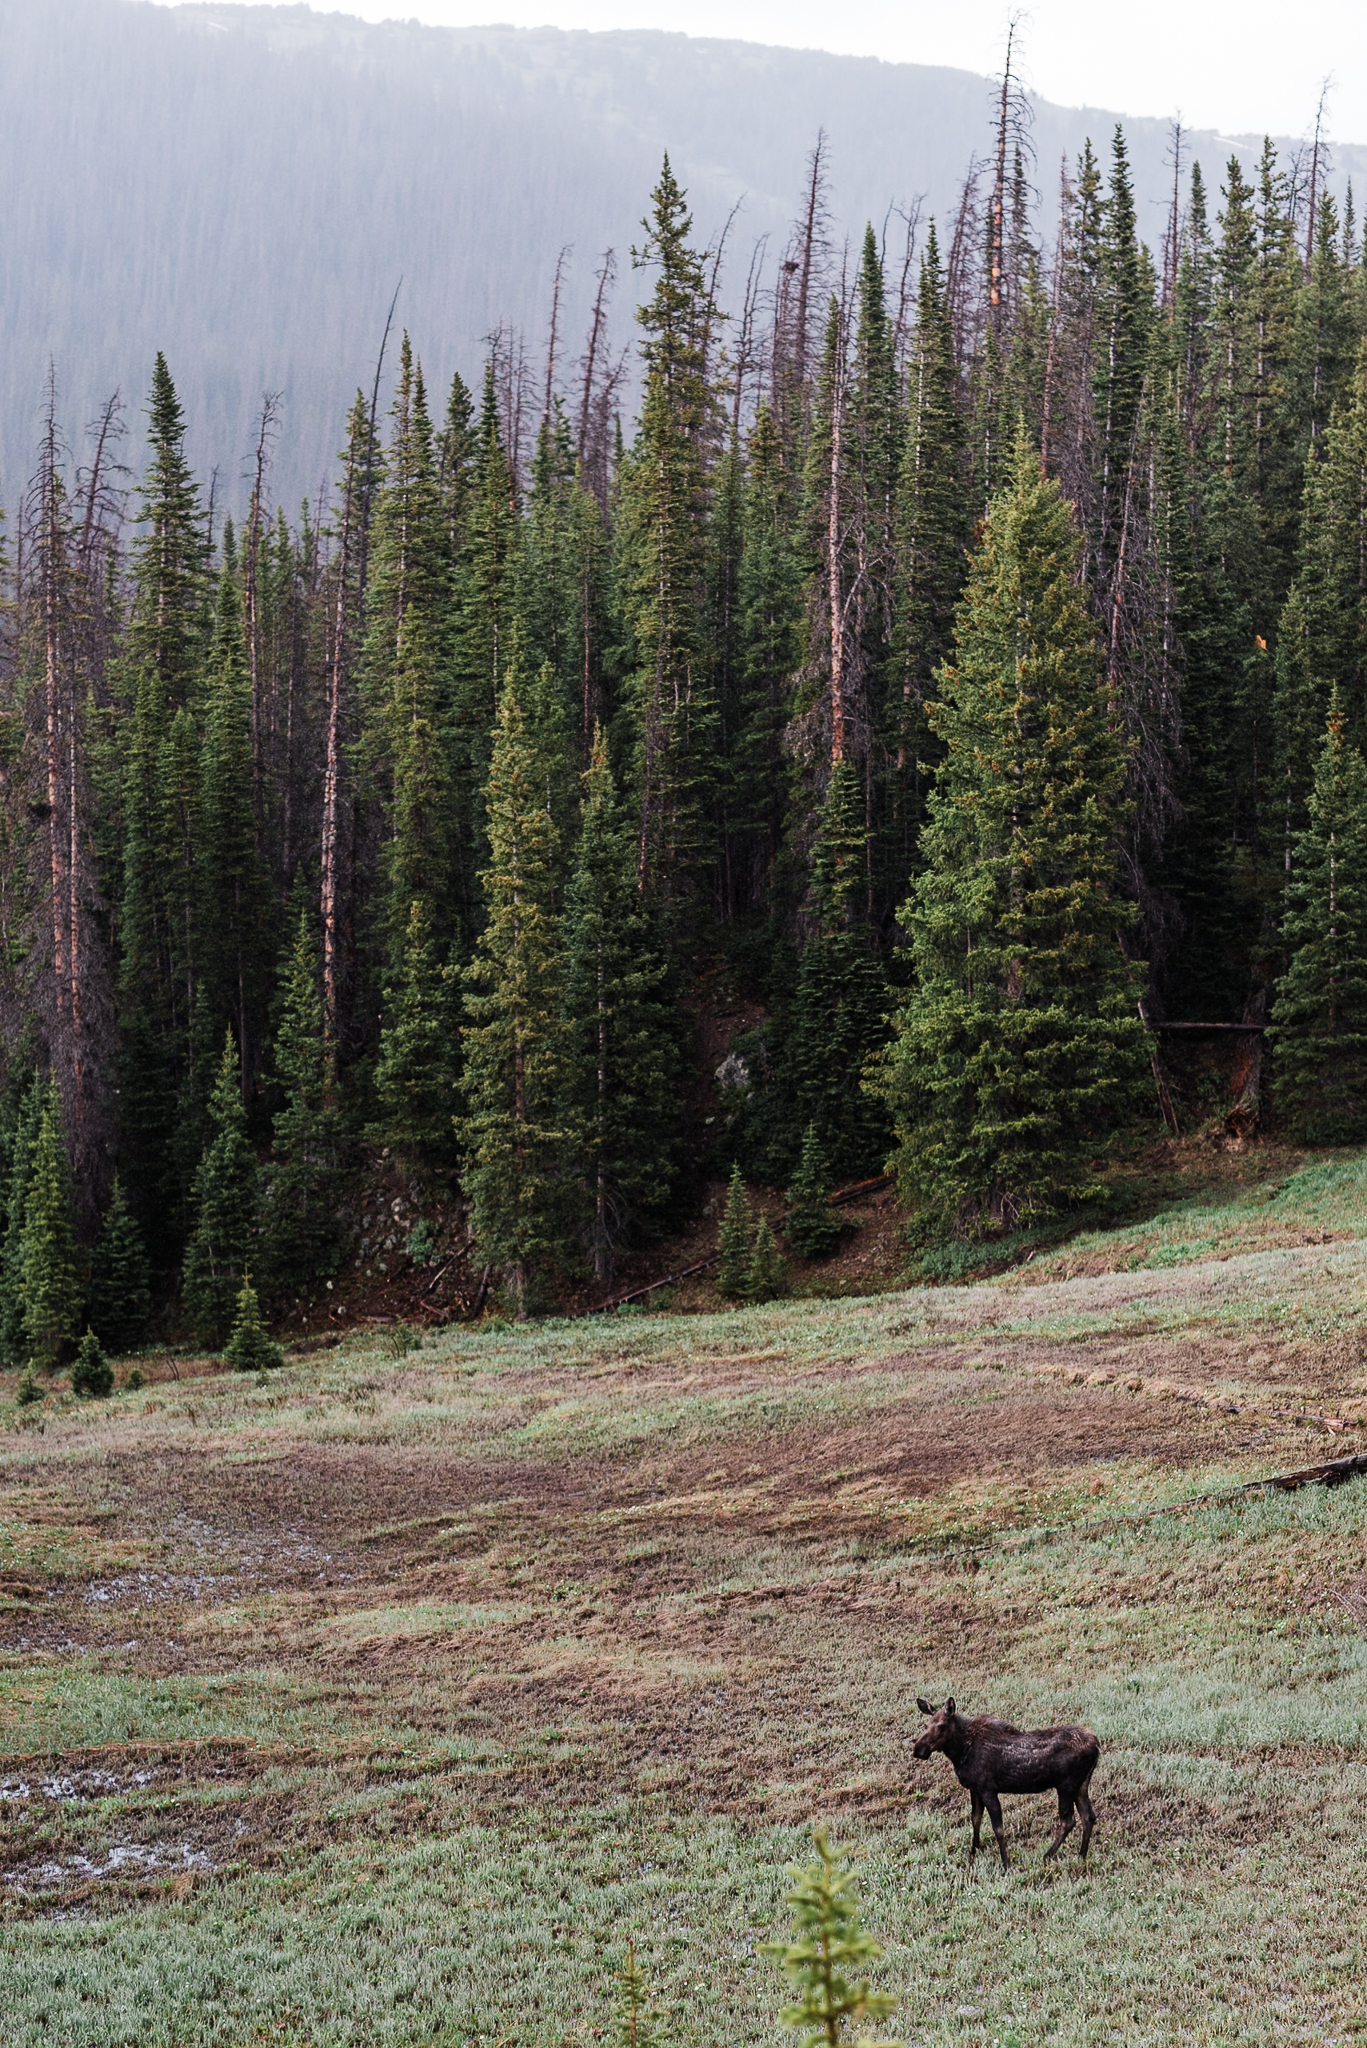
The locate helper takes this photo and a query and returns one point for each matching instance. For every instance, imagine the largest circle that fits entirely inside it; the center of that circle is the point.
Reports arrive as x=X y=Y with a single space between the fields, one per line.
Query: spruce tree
x=168 y=628
x=1319 y=1020
x=233 y=889
x=933 y=524
x=1019 y=1046
x=301 y=1221
x=514 y=1040
x=484 y=619
x=622 y=1043
x=226 y=1203
x=771 y=606
x=54 y=1292
x=92 y=1376
x=664 y=569
x=120 y=1294
x=414 y=1082
x=764 y=1276
x=830 y=1942
x=811 y=1225
x=735 y=1244
x=23 y=1137
x=249 y=1348
x=840 y=1009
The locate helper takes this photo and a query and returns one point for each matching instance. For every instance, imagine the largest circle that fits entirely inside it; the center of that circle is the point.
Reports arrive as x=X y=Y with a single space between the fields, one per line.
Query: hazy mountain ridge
x=244 y=187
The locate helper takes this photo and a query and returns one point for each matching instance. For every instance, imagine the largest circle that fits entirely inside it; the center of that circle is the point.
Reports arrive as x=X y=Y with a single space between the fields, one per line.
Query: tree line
x=963 y=648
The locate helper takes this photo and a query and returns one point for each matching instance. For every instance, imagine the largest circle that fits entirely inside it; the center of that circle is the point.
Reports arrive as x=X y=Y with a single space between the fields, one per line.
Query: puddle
x=146 y=1587
x=73 y=1785
x=122 y=1859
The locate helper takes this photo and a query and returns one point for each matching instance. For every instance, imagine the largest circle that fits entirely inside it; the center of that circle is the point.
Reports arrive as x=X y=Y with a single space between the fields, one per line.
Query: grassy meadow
x=379 y=1702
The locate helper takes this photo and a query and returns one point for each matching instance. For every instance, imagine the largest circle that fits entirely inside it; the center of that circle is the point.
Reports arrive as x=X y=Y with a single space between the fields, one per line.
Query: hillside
x=245 y=187
x=385 y=1700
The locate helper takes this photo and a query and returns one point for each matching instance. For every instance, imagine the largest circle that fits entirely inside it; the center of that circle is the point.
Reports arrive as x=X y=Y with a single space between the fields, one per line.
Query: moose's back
x=1031 y=1759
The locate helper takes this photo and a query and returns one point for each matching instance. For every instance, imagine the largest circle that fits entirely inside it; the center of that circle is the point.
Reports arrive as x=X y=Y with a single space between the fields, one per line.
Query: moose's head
x=939 y=1734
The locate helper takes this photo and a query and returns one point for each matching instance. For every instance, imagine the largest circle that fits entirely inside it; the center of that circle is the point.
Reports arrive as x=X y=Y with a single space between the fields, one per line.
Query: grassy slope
x=404 y=1688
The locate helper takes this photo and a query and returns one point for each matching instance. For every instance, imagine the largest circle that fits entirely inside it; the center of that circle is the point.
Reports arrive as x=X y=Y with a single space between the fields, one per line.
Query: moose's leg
x=1065 y=1824
x=994 y=1808
x=1088 y=1816
x=977 y=1825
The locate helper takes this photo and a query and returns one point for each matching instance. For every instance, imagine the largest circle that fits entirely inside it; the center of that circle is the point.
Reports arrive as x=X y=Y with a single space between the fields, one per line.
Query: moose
x=991 y=1757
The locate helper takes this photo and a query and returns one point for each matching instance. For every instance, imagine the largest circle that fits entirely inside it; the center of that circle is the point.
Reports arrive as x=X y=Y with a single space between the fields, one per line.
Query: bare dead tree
x=1172 y=239
x=911 y=219
x=266 y=429
x=553 y=338
x=589 y=361
x=802 y=274
x=1319 y=153
x=745 y=341
x=365 y=503
x=962 y=283
x=62 y=980
x=1013 y=127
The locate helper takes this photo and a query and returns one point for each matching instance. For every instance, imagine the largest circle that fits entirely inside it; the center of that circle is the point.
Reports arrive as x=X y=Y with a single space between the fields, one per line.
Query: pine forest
x=962 y=642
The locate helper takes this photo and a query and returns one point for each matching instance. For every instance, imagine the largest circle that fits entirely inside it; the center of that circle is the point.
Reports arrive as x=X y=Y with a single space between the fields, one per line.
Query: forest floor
x=380 y=1701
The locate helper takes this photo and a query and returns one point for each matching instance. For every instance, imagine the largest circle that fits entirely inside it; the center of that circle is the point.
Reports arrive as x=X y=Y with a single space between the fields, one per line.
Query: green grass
x=460 y=1667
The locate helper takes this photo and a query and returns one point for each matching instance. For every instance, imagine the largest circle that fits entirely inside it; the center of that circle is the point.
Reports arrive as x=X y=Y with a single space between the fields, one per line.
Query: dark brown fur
x=990 y=1757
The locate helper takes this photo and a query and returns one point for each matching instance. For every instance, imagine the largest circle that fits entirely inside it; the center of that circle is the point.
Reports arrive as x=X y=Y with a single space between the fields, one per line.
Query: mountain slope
x=244 y=187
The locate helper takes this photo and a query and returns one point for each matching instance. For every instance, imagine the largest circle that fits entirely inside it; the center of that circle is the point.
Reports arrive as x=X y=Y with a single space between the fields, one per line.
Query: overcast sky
x=1239 y=68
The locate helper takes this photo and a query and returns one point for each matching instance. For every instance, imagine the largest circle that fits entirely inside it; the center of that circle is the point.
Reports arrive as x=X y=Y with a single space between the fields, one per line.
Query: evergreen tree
x=622 y=1040
x=1331 y=580
x=812 y=1226
x=764 y=1276
x=514 y=1040
x=831 y=1941
x=54 y=1292
x=1124 y=319
x=771 y=608
x=248 y=1348
x=735 y=1243
x=232 y=887
x=414 y=1083
x=168 y=628
x=933 y=525
x=1319 y=1021
x=484 y=624
x=664 y=570
x=23 y=1138
x=301 y=1221
x=841 y=1004
x=120 y=1294
x=226 y=1200
x=1019 y=1044
x=92 y=1376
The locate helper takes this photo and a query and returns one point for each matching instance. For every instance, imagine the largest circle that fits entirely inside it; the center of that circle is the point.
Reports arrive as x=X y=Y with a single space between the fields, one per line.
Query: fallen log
x=665 y=1280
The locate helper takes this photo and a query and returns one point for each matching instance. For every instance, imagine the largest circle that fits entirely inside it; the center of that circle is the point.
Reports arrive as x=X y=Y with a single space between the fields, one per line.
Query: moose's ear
x=949 y=1704
x=925 y=1706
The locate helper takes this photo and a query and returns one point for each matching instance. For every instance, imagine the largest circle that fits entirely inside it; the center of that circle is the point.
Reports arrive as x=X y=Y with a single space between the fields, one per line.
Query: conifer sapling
x=830 y=1941
x=249 y=1348
x=120 y=1295
x=50 y=1263
x=764 y=1276
x=92 y=1376
x=812 y=1226
x=735 y=1242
